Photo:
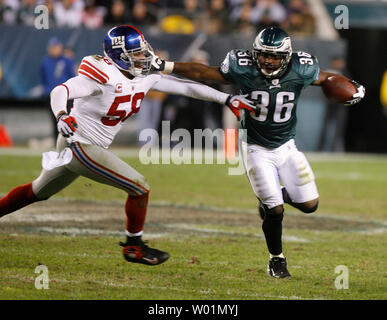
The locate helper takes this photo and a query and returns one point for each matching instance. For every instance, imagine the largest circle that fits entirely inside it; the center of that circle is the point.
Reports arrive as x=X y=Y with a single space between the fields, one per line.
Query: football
x=338 y=89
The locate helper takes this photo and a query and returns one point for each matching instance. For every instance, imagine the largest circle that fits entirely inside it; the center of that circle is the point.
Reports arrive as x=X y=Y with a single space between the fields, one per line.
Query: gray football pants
x=93 y=162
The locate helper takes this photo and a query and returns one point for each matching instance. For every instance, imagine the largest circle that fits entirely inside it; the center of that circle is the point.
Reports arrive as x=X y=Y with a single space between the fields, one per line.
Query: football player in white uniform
x=107 y=91
x=274 y=77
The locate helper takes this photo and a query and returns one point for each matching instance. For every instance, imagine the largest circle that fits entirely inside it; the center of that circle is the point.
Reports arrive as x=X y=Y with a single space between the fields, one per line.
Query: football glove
x=236 y=103
x=66 y=125
x=158 y=64
x=358 y=95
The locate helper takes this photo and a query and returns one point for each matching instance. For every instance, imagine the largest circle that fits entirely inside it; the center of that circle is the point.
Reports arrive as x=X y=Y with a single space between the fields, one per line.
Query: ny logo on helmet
x=118 y=42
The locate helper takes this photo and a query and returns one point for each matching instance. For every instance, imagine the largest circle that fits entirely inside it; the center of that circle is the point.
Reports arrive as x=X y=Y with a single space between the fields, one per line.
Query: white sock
x=281 y=255
x=133 y=234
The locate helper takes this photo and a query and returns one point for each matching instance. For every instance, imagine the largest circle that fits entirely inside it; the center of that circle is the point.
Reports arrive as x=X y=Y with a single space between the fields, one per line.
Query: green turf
x=213 y=267
x=92 y=268
x=355 y=188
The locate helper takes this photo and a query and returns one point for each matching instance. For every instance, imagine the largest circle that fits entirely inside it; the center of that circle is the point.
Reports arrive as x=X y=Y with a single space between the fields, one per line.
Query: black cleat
x=277 y=268
x=261 y=210
x=135 y=250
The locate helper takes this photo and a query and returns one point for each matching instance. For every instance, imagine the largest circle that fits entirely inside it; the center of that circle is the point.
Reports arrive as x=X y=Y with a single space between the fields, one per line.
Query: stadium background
x=181 y=28
x=205 y=218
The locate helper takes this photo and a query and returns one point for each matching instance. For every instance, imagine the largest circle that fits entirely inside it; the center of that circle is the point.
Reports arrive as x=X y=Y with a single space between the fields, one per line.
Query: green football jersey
x=274 y=121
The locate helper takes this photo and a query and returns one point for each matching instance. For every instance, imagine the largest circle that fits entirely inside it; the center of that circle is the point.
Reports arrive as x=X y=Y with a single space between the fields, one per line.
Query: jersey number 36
x=283 y=106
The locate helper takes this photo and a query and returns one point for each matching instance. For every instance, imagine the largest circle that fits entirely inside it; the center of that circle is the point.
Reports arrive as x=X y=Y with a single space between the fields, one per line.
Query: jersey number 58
x=114 y=116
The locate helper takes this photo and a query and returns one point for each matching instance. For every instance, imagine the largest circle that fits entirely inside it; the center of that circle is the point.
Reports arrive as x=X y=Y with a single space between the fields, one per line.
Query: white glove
x=66 y=125
x=358 y=95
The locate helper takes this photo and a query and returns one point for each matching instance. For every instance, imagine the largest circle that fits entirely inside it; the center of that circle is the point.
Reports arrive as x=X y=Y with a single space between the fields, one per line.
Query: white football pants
x=267 y=169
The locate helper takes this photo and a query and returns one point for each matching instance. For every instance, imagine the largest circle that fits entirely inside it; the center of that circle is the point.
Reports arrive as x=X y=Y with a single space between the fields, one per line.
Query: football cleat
x=277 y=268
x=135 y=250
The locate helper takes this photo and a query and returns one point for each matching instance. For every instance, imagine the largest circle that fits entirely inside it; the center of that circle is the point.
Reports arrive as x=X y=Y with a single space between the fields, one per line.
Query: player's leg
x=296 y=175
x=263 y=177
x=47 y=184
x=17 y=198
x=103 y=166
x=308 y=206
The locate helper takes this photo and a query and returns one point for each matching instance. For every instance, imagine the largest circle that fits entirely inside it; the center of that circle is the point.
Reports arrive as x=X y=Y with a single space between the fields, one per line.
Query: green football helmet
x=276 y=42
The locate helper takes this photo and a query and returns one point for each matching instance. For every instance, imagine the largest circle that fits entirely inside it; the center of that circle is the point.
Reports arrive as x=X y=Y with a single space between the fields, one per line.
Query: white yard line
x=318 y=215
x=88 y=231
x=133 y=153
x=54 y=217
x=189 y=227
x=373 y=227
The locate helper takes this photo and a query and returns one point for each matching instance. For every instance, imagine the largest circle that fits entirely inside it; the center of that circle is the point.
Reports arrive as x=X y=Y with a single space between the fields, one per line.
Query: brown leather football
x=338 y=89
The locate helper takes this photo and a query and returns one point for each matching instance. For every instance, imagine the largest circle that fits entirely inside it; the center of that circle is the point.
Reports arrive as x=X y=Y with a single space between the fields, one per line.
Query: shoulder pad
x=305 y=64
x=93 y=67
x=225 y=65
x=231 y=68
x=233 y=54
x=246 y=53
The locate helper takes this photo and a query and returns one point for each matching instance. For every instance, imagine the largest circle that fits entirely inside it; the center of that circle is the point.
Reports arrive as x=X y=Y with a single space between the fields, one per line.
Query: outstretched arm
x=189 y=88
x=200 y=91
x=198 y=71
x=189 y=70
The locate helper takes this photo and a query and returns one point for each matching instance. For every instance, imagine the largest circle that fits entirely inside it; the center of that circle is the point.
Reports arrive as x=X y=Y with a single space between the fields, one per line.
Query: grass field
x=206 y=220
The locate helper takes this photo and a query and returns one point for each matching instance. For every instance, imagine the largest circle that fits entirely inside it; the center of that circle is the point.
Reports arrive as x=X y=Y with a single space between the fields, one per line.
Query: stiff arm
x=188 y=88
x=199 y=72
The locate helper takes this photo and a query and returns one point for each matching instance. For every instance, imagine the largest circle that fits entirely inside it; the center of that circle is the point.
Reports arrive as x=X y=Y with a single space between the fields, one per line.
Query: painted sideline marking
x=133 y=153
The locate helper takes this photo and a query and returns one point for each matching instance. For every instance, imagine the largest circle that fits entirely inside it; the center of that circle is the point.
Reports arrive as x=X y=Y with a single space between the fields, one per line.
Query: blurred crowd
x=170 y=16
x=173 y=16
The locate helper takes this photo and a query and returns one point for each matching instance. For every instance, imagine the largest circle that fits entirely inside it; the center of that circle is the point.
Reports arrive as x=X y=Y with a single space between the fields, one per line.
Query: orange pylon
x=5 y=139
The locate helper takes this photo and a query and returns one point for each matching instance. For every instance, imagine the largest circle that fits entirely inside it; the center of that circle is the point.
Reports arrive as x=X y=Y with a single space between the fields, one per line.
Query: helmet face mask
x=127 y=49
x=272 y=51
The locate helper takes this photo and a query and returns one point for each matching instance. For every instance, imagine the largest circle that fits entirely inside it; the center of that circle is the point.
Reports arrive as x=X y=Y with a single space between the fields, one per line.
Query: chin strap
x=271 y=75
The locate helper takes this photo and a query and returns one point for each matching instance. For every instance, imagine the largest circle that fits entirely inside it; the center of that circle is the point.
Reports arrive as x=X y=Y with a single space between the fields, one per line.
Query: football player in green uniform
x=273 y=76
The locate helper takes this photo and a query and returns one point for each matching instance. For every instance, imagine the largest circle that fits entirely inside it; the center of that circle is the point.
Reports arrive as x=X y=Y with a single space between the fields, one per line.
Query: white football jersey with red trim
x=113 y=100
x=104 y=98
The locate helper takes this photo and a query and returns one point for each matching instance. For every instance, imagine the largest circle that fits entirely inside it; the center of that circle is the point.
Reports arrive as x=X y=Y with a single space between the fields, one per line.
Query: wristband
x=61 y=115
x=227 y=102
x=169 y=65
